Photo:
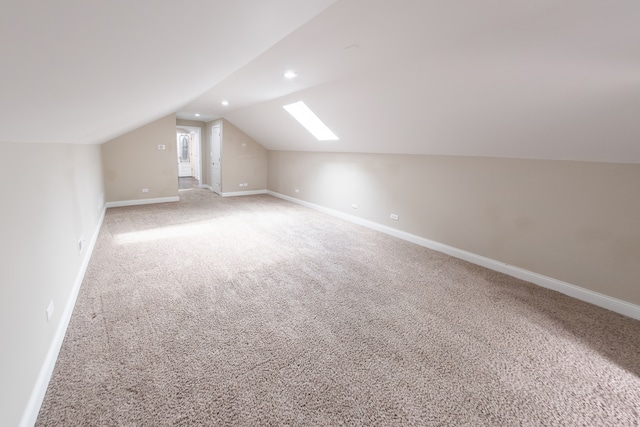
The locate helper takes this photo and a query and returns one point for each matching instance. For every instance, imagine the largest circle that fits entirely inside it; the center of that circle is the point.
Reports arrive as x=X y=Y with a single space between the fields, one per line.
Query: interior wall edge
x=32 y=409
x=610 y=303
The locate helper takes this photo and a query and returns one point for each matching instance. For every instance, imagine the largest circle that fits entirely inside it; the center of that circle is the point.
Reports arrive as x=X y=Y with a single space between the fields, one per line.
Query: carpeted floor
x=188 y=182
x=255 y=311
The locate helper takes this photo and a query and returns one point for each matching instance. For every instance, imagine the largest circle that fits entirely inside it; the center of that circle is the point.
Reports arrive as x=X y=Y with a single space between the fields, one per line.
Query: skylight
x=310 y=121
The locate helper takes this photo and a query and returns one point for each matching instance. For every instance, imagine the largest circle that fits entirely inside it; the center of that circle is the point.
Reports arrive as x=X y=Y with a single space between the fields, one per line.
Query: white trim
x=244 y=193
x=198 y=130
x=142 y=202
x=30 y=414
x=601 y=300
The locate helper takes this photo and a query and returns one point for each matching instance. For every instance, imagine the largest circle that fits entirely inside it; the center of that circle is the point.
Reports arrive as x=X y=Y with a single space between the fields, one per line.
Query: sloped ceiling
x=509 y=78
x=546 y=79
x=76 y=71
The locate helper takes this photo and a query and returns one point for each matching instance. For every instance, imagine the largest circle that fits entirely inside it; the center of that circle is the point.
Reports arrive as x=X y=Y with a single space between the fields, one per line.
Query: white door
x=196 y=156
x=215 y=159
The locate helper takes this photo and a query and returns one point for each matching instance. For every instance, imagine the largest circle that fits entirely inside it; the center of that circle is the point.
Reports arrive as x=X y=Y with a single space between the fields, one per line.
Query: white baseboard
x=601 y=300
x=244 y=193
x=32 y=409
x=142 y=202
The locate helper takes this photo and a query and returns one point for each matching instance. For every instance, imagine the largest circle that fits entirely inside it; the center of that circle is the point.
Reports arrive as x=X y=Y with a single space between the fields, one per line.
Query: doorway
x=189 y=148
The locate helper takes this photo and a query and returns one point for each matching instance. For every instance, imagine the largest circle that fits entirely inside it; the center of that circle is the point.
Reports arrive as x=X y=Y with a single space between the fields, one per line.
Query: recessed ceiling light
x=290 y=75
x=225 y=102
x=310 y=121
x=197 y=115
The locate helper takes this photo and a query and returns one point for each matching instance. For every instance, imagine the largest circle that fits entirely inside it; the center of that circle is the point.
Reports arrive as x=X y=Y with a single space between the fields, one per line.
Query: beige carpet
x=255 y=311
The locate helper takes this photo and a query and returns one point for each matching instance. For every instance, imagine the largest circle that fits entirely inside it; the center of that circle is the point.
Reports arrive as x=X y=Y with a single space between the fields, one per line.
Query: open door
x=216 y=142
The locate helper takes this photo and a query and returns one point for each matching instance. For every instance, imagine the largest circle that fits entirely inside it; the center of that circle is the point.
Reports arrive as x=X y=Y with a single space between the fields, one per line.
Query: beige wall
x=132 y=162
x=192 y=123
x=52 y=194
x=240 y=163
x=572 y=221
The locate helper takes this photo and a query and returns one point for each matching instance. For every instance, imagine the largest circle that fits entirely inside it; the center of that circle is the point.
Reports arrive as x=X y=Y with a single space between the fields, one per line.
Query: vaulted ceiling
x=75 y=71
x=508 y=78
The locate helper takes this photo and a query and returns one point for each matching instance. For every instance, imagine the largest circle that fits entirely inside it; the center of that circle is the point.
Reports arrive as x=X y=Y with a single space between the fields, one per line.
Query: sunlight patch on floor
x=162 y=233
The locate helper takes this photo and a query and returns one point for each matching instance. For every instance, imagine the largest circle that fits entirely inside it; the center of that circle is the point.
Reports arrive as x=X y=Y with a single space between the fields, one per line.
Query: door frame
x=213 y=186
x=198 y=131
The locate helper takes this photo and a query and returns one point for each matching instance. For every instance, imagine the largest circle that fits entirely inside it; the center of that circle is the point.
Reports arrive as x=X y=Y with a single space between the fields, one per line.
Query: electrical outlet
x=297 y=191
x=246 y=184
x=50 y=310
x=354 y=206
x=145 y=190
x=394 y=217
x=162 y=147
x=80 y=245
x=241 y=185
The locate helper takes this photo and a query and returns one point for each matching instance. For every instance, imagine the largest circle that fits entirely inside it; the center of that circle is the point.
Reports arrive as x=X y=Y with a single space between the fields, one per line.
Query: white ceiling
x=75 y=71
x=546 y=79
x=509 y=78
